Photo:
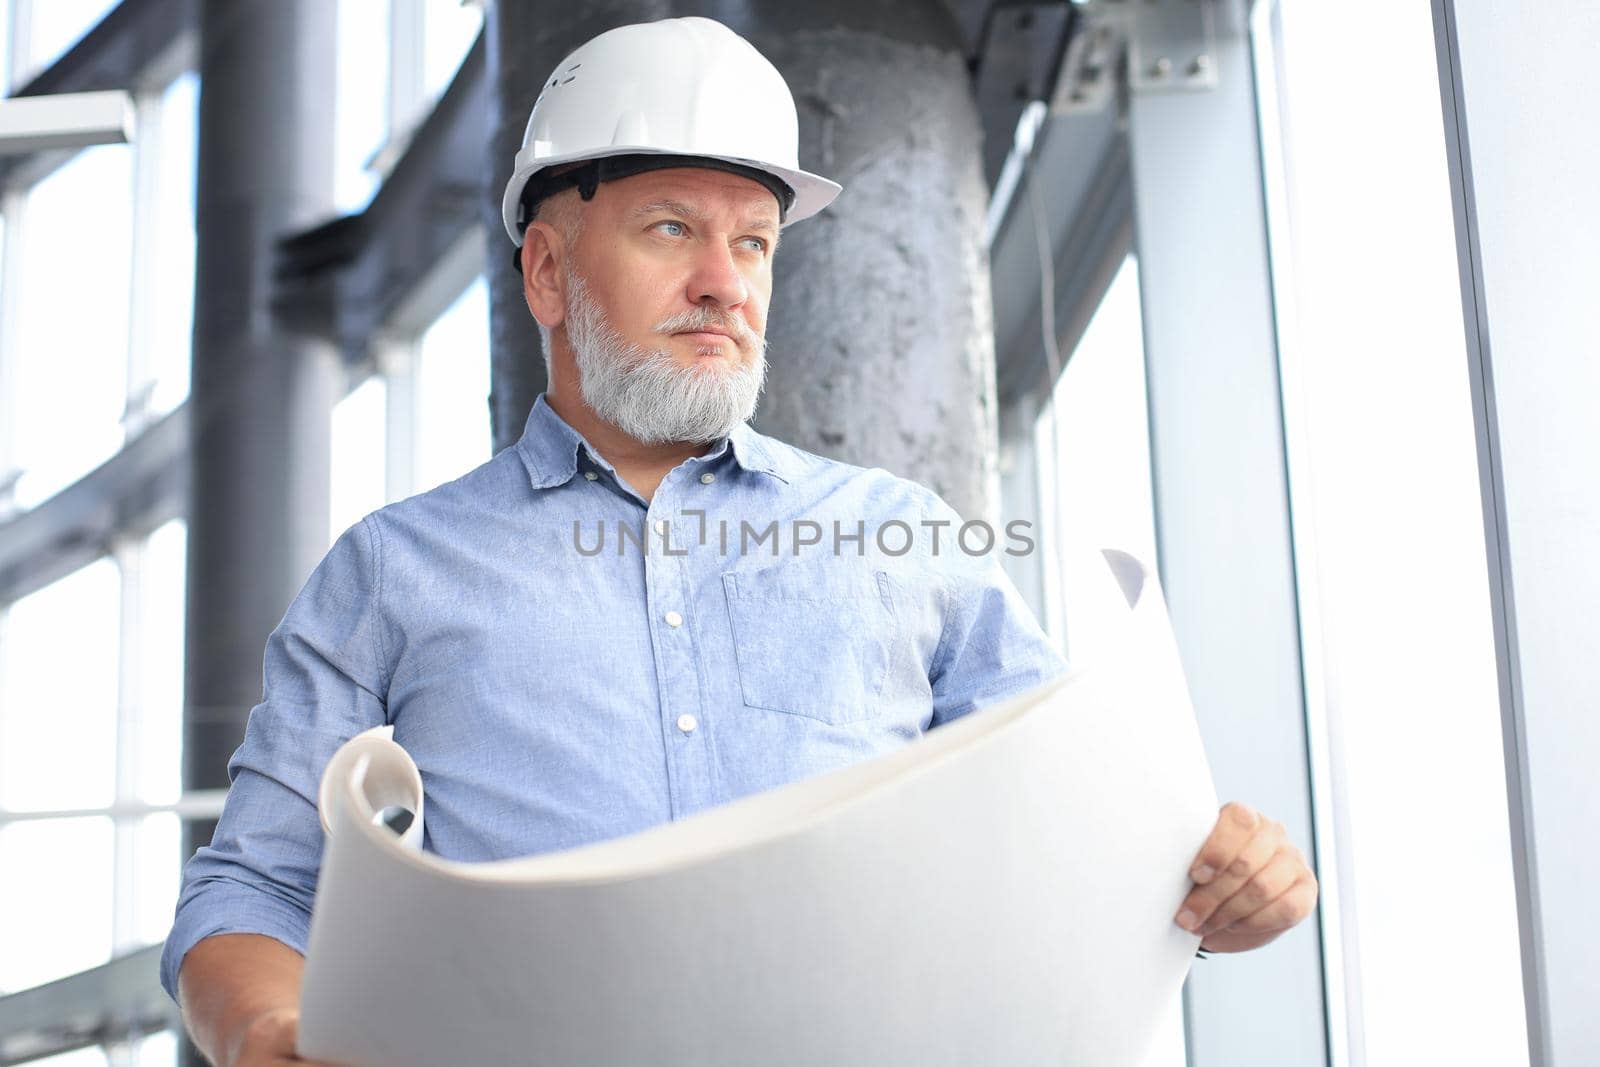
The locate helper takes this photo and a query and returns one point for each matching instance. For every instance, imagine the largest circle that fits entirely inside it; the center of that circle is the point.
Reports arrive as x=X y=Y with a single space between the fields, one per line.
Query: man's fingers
x=1267 y=884
x=1290 y=907
x=1236 y=824
x=1228 y=859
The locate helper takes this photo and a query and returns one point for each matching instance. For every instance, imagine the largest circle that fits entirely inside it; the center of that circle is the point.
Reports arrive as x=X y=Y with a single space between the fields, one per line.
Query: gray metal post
x=1517 y=88
x=1222 y=506
x=260 y=398
x=881 y=351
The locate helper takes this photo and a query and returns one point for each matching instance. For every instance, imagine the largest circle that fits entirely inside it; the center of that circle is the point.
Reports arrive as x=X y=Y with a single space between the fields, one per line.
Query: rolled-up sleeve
x=991 y=646
x=325 y=675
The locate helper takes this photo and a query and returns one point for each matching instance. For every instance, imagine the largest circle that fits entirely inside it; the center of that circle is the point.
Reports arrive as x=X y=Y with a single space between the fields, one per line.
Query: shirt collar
x=553 y=451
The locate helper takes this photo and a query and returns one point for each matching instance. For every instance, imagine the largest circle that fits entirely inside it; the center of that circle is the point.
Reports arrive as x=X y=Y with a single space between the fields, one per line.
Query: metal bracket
x=1144 y=45
x=1172 y=45
x=1091 y=66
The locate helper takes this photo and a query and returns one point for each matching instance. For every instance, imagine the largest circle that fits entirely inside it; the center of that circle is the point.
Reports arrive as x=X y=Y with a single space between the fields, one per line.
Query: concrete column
x=881 y=350
x=260 y=398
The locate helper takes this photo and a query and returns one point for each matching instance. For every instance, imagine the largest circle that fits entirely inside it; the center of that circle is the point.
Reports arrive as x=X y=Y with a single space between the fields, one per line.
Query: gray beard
x=643 y=392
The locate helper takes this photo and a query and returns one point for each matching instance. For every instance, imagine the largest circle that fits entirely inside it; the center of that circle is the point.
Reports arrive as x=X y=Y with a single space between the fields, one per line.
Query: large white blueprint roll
x=1000 y=891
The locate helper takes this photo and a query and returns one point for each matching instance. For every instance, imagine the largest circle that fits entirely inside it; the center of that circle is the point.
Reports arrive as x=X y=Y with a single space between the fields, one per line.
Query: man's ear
x=542 y=255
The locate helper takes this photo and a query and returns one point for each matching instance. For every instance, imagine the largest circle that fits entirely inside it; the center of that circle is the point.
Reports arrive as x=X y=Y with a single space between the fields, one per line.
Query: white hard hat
x=649 y=95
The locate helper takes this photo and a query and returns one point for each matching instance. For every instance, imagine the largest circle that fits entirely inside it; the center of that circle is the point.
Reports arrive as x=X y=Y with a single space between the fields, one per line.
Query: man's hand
x=1251 y=883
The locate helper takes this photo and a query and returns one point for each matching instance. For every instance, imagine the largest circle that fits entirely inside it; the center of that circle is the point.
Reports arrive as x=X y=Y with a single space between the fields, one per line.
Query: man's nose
x=717 y=277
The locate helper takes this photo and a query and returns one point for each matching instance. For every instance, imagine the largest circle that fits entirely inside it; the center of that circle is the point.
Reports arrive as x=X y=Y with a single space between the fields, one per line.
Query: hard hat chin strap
x=588 y=180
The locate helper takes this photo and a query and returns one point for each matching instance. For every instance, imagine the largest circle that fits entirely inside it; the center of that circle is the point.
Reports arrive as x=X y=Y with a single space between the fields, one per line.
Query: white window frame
x=394 y=355
x=396 y=345
x=128 y=547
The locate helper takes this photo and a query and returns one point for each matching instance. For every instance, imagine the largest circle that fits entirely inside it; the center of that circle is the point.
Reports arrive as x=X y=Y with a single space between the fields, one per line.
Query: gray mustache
x=704 y=319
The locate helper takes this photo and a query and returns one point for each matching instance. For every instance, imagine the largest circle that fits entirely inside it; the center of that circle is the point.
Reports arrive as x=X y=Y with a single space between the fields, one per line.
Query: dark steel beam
x=1015 y=63
x=116 y=1001
x=133 y=492
x=1085 y=206
x=261 y=397
x=346 y=278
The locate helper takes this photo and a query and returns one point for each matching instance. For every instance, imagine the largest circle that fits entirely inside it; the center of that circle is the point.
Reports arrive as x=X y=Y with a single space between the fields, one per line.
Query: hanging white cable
x=1053 y=367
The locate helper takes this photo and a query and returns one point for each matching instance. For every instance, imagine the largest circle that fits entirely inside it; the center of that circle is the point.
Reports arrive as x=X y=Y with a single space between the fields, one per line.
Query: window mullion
x=142 y=285
x=129 y=555
x=14 y=207
x=18 y=66
x=397 y=362
x=4 y=681
x=407 y=57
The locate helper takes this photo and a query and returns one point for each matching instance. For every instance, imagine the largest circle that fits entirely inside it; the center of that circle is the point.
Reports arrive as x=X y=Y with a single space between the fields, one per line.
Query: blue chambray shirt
x=564 y=672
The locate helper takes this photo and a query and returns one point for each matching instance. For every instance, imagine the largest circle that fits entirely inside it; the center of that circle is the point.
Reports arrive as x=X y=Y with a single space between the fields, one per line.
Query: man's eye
x=677 y=228
x=756 y=244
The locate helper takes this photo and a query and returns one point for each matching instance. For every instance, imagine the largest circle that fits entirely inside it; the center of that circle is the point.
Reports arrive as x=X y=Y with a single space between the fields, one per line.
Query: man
x=748 y=623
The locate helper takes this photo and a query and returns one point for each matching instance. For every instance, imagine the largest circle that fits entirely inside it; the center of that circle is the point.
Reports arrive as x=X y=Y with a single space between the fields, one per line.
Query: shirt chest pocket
x=813 y=637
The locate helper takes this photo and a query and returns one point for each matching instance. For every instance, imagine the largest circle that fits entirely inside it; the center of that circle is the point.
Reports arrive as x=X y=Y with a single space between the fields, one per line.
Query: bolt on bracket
x=1143 y=45
x=1172 y=45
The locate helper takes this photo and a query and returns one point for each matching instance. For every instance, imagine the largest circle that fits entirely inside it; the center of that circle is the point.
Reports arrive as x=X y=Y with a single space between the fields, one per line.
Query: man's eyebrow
x=670 y=207
x=678 y=207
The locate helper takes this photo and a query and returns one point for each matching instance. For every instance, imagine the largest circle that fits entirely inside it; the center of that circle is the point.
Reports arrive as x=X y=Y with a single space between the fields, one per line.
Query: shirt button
x=591 y=475
x=673 y=618
x=708 y=478
x=661 y=526
x=687 y=723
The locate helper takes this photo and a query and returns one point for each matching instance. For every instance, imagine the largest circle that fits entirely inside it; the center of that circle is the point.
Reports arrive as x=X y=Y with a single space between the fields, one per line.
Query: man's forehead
x=696 y=191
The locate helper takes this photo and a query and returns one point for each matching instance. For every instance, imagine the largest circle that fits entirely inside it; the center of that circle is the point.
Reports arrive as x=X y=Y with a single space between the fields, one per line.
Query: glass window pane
x=453 y=390
x=358 y=452
x=158 y=763
x=83 y=1057
x=172 y=226
x=54 y=26
x=451 y=28
x=5 y=48
x=362 y=94
x=56 y=920
x=158 y=859
x=72 y=367
x=1095 y=474
x=159 y=1050
x=1392 y=566
x=58 y=693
